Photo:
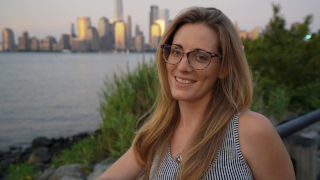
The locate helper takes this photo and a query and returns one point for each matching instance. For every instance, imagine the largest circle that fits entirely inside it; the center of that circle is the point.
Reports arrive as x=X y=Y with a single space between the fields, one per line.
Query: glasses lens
x=199 y=59
x=172 y=54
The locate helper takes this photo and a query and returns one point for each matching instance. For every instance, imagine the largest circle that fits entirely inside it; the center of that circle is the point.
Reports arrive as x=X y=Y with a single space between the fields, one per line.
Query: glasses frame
x=212 y=55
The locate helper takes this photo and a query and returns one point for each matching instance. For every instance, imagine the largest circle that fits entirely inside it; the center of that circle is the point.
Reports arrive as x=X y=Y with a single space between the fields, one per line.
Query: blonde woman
x=201 y=127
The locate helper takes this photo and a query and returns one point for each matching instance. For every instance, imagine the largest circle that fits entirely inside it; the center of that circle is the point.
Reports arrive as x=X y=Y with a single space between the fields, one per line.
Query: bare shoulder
x=252 y=123
x=262 y=147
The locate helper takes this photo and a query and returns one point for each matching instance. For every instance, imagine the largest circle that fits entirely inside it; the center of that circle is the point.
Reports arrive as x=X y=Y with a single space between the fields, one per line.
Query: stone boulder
x=70 y=172
x=41 y=142
x=98 y=169
x=39 y=155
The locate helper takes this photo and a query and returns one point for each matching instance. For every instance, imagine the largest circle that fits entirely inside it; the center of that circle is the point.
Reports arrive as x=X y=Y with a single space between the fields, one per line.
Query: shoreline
x=40 y=150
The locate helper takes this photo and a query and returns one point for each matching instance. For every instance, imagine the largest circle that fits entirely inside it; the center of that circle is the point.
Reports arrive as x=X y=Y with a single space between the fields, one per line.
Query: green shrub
x=23 y=171
x=122 y=102
x=84 y=152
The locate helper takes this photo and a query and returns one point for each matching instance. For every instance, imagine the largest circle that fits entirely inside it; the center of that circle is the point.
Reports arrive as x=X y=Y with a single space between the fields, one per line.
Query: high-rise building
x=34 y=44
x=93 y=39
x=118 y=10
x=154 y=15
x=8 y=40
x=105 y=34
x=78 y=45
x=129 y=32
x=64 y=42
x=84 y=24
x=47 y=43
x=120 y=35
x=103 y=27
x=155 y=36
x=24 y=42
x=164 y=14
x=73 y=34
x=162 y=24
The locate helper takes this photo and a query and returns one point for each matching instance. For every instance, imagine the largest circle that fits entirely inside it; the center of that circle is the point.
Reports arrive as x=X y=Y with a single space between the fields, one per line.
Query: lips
x=184 y=81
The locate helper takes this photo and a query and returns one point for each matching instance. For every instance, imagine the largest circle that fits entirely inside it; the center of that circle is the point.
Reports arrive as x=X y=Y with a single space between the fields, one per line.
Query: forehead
x=196 y=36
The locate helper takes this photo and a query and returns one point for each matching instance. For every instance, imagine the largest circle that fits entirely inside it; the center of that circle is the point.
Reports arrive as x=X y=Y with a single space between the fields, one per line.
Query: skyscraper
x=139 y=40
x=155 y=36
x=154 y=15
x=84 y=24
x=93 y=39
x=164 y=14
x=8 y=40
x=128 y=32
x=73 y=34
x=103 y=27
x=24 y=42
x=118 y=10
x=120 y=35
x=34 y=44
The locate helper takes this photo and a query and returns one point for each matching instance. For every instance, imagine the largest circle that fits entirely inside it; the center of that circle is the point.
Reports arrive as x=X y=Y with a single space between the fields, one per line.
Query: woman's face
x=187 y=83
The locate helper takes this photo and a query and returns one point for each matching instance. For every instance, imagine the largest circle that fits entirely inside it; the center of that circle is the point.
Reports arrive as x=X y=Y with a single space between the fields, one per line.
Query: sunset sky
x=46 y=17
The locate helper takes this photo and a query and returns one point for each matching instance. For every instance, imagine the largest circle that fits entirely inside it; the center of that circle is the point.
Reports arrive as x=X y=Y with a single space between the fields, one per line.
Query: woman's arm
x=125 y=168
x=263 y=148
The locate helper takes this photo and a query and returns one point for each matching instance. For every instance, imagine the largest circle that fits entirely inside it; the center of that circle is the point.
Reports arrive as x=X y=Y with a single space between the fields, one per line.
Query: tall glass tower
x=118 y=10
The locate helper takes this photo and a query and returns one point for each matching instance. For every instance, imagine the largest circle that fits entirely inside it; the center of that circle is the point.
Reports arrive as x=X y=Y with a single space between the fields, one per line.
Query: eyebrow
x=196 y=49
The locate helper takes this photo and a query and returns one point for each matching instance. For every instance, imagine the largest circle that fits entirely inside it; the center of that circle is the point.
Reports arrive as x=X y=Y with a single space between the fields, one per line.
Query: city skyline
x=40 y=21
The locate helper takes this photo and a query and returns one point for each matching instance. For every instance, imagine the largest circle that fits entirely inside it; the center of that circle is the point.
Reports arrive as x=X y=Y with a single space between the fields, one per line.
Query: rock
x=71 y=170
x=46 y=174
x=70 y=178
x=98 y=170
x=41 y=142
x=39 y=156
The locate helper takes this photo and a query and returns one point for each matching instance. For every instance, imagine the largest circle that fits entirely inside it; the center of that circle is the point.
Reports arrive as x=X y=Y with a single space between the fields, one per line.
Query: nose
x=184 y=64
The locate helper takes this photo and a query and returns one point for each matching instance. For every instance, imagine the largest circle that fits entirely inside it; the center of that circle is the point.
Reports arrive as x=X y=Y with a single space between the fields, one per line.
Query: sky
x=54 y=17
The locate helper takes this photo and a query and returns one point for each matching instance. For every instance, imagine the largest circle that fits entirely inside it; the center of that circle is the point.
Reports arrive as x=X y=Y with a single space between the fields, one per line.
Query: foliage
x=123 y=102
x=85 y=152
x=23 y=171
x=287 y=65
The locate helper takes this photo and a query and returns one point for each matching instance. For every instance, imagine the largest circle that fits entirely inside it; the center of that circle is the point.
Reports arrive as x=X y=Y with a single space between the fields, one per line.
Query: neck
x=192 y=113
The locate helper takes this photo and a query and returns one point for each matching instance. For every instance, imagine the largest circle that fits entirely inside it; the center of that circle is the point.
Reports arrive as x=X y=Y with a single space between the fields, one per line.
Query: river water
x=54 y=94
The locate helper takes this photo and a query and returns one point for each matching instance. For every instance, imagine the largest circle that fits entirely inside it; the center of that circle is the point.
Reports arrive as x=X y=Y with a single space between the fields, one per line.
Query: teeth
x=184 y=81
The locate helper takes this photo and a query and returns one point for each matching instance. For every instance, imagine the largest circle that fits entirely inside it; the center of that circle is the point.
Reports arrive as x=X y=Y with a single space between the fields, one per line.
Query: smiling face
x=187 y=83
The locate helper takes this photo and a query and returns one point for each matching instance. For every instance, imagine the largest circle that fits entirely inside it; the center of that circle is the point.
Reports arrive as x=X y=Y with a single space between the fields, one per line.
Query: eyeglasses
x=198 y=59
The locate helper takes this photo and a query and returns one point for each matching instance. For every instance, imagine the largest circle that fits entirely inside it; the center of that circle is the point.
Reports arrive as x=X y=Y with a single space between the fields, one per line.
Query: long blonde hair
x=231 y=94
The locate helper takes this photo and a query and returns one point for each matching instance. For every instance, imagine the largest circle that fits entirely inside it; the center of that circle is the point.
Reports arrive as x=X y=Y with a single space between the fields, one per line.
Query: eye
x=201 y=57
x=176 y=51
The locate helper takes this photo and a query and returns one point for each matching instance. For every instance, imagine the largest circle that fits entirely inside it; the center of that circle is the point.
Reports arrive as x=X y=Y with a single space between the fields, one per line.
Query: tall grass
x=23 y=171
x=122 y=102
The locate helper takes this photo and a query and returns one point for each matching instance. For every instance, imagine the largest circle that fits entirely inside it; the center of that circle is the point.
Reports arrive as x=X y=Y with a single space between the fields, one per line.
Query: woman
x=201 y=127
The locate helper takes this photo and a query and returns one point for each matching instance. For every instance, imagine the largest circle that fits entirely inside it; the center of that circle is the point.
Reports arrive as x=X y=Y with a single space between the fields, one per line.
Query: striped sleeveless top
x=228 y=165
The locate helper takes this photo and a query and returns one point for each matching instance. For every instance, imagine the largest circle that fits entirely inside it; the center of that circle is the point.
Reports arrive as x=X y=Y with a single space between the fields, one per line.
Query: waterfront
x=54 y=94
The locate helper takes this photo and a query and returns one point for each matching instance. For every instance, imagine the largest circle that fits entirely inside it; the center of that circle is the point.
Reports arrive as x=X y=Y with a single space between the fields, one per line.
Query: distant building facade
x=93 y=39
x=129 y=33
x=8 y=40
x=120 y=35
x=24 y=42
x=47 y=43
x=64 y=42
x=105 y=36
x=84 y=24
x=34 y=44
x=155 y=36
x=153 y=16
x=118 y=10
x=164 y=15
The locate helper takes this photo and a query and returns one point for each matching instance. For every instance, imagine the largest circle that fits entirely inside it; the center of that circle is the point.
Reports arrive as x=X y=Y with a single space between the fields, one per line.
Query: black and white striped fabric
x=229 y=164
